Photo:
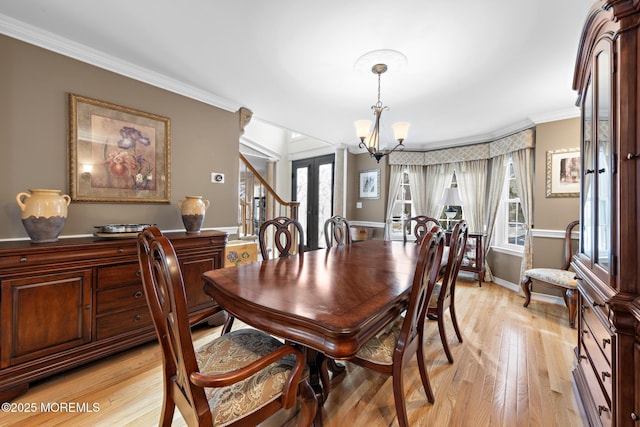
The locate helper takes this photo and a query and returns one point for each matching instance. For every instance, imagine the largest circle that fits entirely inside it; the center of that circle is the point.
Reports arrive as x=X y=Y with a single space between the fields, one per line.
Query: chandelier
x=370 y=138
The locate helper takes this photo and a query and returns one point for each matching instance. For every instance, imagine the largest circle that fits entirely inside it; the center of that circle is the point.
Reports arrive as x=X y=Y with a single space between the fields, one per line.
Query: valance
x=487 y=150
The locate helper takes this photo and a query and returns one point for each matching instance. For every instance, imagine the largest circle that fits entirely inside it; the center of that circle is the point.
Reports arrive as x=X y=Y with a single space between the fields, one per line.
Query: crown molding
x=72 y=49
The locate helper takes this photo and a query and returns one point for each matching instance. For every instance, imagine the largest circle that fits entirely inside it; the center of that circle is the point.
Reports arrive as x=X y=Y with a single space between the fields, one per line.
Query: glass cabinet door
x=597 y=167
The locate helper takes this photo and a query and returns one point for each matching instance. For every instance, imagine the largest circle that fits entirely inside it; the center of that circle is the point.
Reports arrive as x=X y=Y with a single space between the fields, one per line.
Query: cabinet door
x=597 y=164
x=42 y=315
x=192 y=268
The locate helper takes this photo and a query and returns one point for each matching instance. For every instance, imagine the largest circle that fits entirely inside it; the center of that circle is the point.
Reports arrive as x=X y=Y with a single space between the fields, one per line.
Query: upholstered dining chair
x=389 y=351
x=286 y=234
x=443 y=296
x=561 y=278
x=240 y=378
x=337 y=230
x=418 y=226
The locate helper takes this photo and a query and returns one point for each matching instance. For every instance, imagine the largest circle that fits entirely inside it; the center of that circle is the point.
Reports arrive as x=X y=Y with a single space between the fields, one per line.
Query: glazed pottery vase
x=193 y=209
x=44 y=213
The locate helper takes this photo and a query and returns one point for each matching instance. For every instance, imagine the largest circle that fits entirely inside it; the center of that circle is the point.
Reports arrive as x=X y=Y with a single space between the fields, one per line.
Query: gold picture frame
x=117 y=154
x=563 y=173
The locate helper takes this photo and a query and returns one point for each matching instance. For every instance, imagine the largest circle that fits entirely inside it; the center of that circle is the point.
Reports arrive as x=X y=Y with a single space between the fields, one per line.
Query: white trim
x=254 y=148
x=508 y=251
x=72 y=49
x=554 y=234
x=314 y=152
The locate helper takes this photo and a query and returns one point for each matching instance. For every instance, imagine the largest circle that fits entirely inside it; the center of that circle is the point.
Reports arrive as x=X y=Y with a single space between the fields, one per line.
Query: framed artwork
x=563 y=173
x=117 y=154
x=370 y=184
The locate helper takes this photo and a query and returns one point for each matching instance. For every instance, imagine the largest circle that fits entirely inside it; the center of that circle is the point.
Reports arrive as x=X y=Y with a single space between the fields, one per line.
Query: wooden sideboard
x=77 y=300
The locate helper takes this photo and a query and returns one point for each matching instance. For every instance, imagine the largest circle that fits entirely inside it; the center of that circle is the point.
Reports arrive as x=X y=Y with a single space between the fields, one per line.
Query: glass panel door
x=603 y=161
x=312 y=186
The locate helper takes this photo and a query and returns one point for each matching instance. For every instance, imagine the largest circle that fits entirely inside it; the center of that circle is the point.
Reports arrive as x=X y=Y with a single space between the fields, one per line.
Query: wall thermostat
x=217 y=178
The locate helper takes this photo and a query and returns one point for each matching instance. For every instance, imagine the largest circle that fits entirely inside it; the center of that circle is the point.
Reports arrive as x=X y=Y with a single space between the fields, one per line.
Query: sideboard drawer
x=118 y=275
x=117 y=299
x=601 y=365
x=600 y=333
x=122 y=322
x=601 y=401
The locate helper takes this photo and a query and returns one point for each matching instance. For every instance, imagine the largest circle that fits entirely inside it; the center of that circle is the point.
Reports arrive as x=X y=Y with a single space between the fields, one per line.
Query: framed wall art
x=117 y=154
x=563 y=173
x=370 y=184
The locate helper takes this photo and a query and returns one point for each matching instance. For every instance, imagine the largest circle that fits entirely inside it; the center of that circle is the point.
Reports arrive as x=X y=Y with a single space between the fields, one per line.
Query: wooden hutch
x=77 y=300
x=607 y=375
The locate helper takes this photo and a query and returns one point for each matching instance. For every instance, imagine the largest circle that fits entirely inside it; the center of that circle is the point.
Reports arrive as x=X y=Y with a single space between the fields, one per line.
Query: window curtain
x=496 y=184
x=523 y=167
x=395 y=175
x=417 y=179
x=437 y=178
x=472 y=180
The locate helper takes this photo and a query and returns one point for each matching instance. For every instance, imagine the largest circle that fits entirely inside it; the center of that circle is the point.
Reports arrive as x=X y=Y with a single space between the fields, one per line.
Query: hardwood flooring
x=513 y=369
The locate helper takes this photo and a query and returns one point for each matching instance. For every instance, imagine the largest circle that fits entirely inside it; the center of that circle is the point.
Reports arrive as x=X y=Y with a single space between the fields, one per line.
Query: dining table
x=328 y=301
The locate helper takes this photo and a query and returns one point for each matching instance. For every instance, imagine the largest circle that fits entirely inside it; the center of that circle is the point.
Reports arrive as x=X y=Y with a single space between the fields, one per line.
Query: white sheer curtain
x=472 y=185
x=496 y=184
x=437 y=178
x=417 y=181
x=395 y=175
x=523 y=167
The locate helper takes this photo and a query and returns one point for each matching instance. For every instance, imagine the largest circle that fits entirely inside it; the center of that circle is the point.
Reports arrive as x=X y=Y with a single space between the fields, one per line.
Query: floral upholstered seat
x=562 y=278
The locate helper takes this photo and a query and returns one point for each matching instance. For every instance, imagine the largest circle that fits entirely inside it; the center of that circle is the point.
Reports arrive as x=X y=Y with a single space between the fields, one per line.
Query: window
x=402 y=207
x=509 y=229
x=451 y=214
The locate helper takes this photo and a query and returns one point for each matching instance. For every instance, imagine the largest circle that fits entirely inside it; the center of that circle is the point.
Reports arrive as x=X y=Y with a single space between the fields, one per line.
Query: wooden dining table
x=330 y=301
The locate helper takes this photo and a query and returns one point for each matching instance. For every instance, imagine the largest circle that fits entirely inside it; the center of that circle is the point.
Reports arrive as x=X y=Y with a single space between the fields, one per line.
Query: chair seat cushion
x=380 y=348
x=433 y=302
x=234 y=350
x=562 y=278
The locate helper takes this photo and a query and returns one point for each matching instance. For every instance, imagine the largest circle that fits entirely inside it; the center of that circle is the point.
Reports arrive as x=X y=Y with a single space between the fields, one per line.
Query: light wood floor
x=513 y=369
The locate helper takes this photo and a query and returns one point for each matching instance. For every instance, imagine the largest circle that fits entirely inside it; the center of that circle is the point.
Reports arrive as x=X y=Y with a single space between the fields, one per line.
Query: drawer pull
x=138 y=273
x=635 y=416
x=583 y=357
x=605 y=341
x=137 y=318
x=605 y=375
x=138 y=294
x=23 y=259
x=595 y=304
x=601 y=409
x=87 y=307
x=120 y=250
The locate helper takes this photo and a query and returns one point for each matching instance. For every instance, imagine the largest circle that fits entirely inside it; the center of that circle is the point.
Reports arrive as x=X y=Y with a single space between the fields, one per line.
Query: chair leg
x=228 y=324
x=168 y=408
x=424 y=374
x=525 y=285
x=398 y=395
x=454 y=320
x=571 y=299
x=443 y=335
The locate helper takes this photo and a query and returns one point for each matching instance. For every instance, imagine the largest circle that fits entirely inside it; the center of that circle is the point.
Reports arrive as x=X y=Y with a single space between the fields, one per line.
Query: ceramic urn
x=193 y=209
x=44 y=213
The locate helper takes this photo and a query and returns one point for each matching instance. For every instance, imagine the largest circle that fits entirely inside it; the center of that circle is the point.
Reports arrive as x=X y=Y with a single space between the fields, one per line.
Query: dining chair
x=240 y=378
x=390 y=350
x=443 y=296
x=286 y=235
x=283 y=235
x=418 y=226
x=337 y=230
x=561 y=278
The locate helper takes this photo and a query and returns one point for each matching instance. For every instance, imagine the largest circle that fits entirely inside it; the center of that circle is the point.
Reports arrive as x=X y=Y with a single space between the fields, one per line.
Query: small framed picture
x=563 y=173
x=370 y=184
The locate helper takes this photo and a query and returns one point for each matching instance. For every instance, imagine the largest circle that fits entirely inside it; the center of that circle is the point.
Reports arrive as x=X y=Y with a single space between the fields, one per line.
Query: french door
x=312 y=186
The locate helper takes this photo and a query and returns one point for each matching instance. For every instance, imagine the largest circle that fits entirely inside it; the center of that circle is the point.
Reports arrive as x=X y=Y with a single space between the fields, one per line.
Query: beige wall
x=373 y=210
x=33 y=135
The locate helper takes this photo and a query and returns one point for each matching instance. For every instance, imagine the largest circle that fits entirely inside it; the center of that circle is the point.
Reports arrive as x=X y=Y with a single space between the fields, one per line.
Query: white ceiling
x=476 y=69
